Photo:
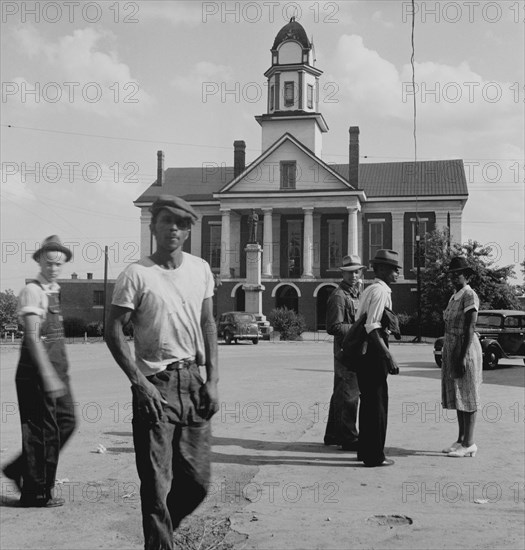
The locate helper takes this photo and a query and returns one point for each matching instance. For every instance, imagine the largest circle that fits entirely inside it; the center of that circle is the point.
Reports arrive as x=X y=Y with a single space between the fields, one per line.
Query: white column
x=308 y=243
x=145 y=233
x=196 y=238
x=225 y=244
x=267 y=270
x=353 y=242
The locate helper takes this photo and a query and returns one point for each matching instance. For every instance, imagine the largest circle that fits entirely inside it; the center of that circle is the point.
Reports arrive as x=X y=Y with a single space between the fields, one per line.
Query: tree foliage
x=490 y=282
x=8 y=306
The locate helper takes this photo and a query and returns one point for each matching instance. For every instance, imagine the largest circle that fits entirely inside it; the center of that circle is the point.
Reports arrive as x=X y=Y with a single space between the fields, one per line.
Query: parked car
x=10 y=329
x=501 y=333
x=238 y=325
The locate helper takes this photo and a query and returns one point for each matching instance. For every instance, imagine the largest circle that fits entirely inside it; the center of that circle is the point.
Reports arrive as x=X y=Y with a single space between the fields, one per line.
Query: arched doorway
x=240 y=299
x=321 y=301
x=286 y=296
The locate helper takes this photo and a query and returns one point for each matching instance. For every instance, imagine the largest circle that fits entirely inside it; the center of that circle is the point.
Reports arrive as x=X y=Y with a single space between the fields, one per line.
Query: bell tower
x=293 y=91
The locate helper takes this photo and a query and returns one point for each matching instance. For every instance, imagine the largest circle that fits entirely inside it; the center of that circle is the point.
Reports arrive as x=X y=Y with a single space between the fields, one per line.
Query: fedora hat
x=176 y=206
x=459 y=263
x=52 y=243
x=351 y=263
x=387 y=257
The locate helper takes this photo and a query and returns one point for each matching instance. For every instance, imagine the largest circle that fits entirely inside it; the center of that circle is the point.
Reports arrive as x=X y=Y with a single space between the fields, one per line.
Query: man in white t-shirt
x=168 y=298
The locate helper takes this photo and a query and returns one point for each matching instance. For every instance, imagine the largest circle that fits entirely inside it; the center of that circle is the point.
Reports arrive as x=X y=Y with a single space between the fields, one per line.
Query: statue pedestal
x=253 y=287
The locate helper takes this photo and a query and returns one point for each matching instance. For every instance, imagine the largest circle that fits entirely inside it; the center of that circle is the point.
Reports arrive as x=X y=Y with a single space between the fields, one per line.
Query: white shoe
x=464 y=451
x=454 y=447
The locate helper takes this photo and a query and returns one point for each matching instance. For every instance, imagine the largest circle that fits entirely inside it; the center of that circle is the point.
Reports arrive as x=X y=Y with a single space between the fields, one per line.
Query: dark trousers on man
x=341 y=427
x=172 y=457
x=47 y=424
x=373 y=412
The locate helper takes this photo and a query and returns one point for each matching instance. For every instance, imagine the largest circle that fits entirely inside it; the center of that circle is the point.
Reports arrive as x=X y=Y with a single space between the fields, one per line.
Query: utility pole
x=105 y=291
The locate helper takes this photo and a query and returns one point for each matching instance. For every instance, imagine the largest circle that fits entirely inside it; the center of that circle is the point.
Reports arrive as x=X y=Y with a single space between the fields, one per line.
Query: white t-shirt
x=33 y=298
x=167 y=305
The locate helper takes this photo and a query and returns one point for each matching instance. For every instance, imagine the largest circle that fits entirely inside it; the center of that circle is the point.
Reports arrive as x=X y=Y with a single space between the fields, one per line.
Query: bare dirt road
x=274 y=484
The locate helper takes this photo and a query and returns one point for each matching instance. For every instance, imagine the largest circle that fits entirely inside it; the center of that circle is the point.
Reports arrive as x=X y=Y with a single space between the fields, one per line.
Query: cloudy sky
x=91 y=91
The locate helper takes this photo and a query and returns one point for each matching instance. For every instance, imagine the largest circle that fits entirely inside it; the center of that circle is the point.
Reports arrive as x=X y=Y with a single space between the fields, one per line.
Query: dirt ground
x=274 y=484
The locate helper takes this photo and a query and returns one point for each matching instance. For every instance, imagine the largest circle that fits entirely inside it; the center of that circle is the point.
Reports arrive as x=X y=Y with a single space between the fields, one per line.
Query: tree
x=8 y=307
x=489 y=282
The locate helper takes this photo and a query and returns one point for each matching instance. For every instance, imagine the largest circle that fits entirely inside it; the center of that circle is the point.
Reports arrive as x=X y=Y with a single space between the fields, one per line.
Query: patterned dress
x=460 y=393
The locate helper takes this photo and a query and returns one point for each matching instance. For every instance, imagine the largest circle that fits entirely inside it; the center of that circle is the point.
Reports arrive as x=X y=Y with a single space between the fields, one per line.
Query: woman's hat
x=459 y=263
x=387 y=257
x=351 y=263
x=52 y=243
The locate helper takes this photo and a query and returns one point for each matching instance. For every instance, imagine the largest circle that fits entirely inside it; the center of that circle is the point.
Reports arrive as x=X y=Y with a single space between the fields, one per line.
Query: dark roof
x=381 y=180
x=396 y=179
x=292 y=31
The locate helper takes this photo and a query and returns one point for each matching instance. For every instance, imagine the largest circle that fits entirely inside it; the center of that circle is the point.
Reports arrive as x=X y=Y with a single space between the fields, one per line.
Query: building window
x=423 y=229
x=288 y=94
x=375 y=236
x=294 y=248
x=288 y=172
x=335 y=244
x=98 y=297
x=214 y=246
x=272 y=97
x=310 y=96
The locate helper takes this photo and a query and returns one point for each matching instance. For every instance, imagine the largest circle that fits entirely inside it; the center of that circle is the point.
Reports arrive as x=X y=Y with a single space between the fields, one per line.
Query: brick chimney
x=353 y=157
x=239 y=157
x=74 y=275
x=160 y=168
x=90 y=276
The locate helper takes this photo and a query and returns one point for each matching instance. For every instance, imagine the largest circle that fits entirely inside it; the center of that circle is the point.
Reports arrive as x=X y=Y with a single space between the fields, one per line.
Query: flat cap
x=176 y=205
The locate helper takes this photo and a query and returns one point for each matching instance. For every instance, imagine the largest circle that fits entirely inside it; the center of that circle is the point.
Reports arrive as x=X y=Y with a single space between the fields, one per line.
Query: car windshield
x=244 y=318
x=490 y=321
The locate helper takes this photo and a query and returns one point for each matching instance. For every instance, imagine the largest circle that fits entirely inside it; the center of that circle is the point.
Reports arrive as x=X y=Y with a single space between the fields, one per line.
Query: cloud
x=177 y=13
x=203 y=74
x=378 y=17
x=82 y=72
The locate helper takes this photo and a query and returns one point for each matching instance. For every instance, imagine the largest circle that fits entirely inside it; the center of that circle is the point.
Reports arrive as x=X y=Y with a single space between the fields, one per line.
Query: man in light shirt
x=168 y=298
x=377 y=362
x=42 y=382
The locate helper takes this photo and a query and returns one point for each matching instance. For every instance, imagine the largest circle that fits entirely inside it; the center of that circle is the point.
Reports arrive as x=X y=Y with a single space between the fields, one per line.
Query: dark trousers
x=342 y=415
x=172 y=457
x=373 y=412
x=47 y=424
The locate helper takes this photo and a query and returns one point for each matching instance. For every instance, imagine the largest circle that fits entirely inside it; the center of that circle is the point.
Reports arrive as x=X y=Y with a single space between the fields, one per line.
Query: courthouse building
x=310 y=213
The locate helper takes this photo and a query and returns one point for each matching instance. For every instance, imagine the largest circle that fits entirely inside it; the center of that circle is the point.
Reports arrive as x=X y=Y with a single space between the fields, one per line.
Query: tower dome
x=292 y=31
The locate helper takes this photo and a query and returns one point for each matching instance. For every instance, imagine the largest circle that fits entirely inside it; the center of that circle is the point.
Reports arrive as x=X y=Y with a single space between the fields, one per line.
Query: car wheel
x=438 y=361
x=228 y=338
x=255 y=340
x=491 y=358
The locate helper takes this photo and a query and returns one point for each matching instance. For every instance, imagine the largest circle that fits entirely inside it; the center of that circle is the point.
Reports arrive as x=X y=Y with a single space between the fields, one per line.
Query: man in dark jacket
x=341 y=427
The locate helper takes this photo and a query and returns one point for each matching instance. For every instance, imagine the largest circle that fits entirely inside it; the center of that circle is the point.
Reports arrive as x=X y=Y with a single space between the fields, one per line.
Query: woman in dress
x=461 y=371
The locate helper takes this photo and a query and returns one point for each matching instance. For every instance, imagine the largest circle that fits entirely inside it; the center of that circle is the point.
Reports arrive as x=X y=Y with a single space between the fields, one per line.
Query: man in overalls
x=42 y=382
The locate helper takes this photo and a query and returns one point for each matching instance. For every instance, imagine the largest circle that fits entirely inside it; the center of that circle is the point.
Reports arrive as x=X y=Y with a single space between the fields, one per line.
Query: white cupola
x=293 y=91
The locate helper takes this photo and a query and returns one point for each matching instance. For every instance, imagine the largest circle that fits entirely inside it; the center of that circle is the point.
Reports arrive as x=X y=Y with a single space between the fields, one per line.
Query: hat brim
x=351 y=267
x=53 y=248
x=385 y=262
x=461 y=269
x=177 y=211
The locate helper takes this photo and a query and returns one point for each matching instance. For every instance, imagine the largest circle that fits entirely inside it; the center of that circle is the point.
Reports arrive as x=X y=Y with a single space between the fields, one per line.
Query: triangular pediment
x=264 y=173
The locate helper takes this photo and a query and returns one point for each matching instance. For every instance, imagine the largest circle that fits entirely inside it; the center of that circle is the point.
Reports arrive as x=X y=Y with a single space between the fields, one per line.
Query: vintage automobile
x=501 y=333
x=12 y=330
x=238 y=325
